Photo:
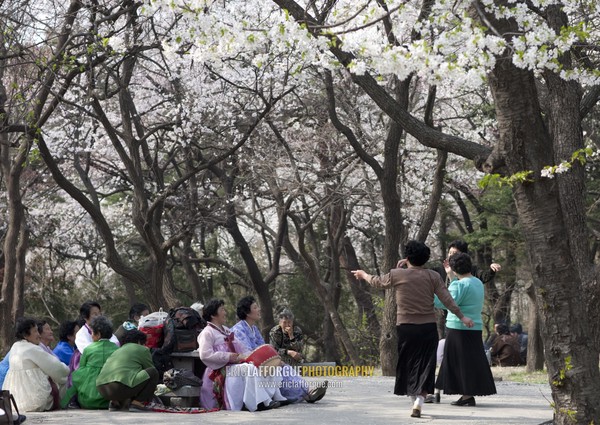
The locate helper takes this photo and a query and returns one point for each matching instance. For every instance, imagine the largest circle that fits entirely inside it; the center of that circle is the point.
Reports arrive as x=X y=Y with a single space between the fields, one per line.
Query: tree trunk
x=535 y=346
x=395 y=234
x=502 y=301
x=552 y=220
x=191 y=273
x=428 y=217
x=14 y=247
x=363 y=298
x=18 y=307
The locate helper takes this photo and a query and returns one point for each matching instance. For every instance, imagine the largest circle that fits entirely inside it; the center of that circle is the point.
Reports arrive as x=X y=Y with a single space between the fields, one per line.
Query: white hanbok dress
x=244 y=385
x=27 y=378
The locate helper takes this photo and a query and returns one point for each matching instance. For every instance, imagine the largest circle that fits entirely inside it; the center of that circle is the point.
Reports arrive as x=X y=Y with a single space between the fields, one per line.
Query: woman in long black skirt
x=415 y=289
x=465 y=369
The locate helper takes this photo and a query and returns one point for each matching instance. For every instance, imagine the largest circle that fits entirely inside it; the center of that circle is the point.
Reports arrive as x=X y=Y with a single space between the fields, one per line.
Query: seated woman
x=136 y=312
x=92 y=360
x=66 y=345
x=228 y=383
x=33 y=372
x=83 y=337
x=505 y=350
x=46 y=336
x=4 y=366
x=293 y=387
x=128 y=378
x=287 y=339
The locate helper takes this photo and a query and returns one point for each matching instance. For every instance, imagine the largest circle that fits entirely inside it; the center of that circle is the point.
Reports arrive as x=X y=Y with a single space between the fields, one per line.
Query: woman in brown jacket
x=415 y=288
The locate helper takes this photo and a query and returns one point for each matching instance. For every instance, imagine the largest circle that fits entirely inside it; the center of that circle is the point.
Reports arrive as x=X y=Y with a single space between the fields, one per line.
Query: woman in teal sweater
x=465 y=369
x=128 y=378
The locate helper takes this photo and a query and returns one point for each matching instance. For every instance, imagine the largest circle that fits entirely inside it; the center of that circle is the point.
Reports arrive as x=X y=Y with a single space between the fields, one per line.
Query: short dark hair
x=417 y=252
x=40 y=325
x=137 y=309
x=211 y=308
x=23 y=327
x=102 y=326
x=462 y=246
x=243 y=307
x=460 y=263
x=86 y=309
x=66 y=329
x=134 y=336
x=502 y=329
x=517 y=328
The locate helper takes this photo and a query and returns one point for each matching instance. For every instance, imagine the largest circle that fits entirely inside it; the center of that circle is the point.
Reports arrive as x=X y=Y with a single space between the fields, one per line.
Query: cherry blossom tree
x=538 y=61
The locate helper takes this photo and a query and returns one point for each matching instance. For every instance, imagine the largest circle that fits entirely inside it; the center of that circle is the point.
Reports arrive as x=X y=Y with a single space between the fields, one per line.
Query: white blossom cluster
x=448 y=45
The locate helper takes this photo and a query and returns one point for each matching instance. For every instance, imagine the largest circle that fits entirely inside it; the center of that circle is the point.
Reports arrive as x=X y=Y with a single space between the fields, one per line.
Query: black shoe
x=464 y=402
x=272 y=405
x=73 y=405
x=416 y=413
x=438 y=398
x=318 y=393
x=287 y=401
x=20 y=419
x=430 y=398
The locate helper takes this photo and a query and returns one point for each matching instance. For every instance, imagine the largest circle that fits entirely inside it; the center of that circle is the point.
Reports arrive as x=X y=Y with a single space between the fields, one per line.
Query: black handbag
x=7 y=401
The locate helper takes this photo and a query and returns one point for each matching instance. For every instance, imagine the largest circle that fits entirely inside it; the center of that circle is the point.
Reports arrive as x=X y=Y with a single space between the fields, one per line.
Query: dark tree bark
x=553 y=225
x=430 y=212
x=15 y=247
x=535 y=346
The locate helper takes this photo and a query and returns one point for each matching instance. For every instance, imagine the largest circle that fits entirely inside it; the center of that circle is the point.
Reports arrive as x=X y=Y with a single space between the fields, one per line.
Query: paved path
x=360 y=400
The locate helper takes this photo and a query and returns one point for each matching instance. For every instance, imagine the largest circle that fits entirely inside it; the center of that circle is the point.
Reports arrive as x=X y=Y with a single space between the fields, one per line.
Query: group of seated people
x=93 y=368
x=508 y=346
x=86 y=368
x=230 y=380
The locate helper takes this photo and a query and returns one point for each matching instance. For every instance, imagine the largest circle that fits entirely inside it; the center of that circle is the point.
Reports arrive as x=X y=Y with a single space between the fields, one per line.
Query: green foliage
x=498 y=180
x=581 y=156
x=501 y=227
x=34 y=159
x=559 y=381
x=296 y=293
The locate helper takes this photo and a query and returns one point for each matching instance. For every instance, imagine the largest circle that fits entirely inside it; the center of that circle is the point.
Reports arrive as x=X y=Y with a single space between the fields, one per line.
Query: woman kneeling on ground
x=93 y=359
x=128 y=378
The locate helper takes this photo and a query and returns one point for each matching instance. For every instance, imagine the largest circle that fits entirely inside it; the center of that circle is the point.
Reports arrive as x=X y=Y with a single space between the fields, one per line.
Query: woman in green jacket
x=128 y=378
x=93 y=359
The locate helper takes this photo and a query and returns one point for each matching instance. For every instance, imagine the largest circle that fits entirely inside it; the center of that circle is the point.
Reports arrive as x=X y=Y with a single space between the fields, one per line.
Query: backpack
x=181 y=330
x=185 y=323
x=180 y=334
